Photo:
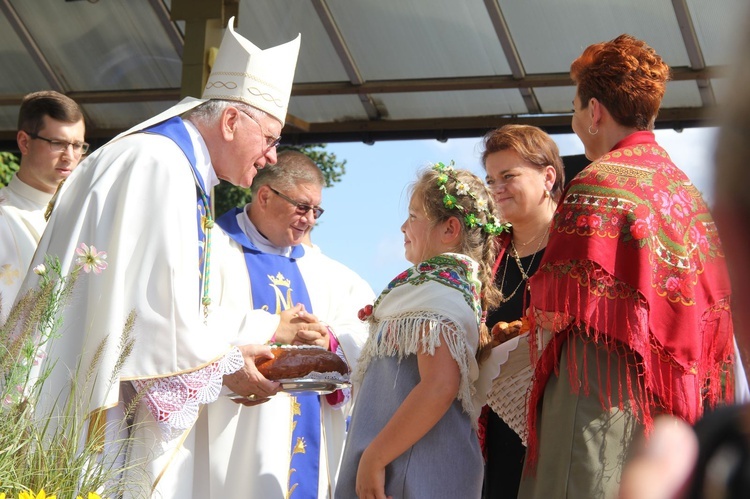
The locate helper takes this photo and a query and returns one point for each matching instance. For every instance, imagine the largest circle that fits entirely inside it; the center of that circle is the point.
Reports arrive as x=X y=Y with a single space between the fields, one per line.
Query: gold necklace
x=523 y=245
x=505 y=299
x=524 y=273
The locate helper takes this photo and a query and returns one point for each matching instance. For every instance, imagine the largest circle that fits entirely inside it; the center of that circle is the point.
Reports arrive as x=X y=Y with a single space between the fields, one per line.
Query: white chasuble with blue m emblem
x=276 y=285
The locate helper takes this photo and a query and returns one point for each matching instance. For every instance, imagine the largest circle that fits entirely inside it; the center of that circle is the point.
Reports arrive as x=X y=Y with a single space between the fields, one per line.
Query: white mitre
x=243 y=72
x=260 y=78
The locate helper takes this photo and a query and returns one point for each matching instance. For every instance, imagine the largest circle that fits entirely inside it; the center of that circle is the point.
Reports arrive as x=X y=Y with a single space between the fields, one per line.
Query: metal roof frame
x=190 y=26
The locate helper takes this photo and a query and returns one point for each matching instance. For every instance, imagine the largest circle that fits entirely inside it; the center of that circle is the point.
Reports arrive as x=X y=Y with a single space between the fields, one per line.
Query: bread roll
x=504 y=331
x=291 y=362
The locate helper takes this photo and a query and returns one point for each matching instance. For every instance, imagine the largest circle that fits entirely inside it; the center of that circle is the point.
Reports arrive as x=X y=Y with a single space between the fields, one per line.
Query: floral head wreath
x=491 y=226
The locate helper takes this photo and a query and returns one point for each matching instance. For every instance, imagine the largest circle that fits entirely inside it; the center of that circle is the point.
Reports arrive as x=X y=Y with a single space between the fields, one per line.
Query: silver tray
x=304 y=385
x=321 y=386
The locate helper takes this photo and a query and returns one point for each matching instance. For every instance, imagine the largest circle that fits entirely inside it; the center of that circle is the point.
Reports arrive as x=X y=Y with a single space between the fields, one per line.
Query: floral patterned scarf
x=634 y=260
x=433 y=303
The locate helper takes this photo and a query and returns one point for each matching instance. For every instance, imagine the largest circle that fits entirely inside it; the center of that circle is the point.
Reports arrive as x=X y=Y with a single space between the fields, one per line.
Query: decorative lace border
x=174 y=401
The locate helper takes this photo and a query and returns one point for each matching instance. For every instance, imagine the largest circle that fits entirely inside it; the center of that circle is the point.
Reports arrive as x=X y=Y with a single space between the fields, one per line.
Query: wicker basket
x=508 y=394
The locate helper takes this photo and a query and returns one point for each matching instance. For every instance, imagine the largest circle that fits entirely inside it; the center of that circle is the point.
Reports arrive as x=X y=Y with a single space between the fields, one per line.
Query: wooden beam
x=293 y=123
x=671 y=115
x=439 y=129
x=381 y=86
x=196 y=10
x=443 y=128
x=205 y=21
x=473 y=83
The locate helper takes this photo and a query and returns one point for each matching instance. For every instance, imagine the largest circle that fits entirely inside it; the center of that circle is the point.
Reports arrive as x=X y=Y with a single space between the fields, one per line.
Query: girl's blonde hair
x=475 y=241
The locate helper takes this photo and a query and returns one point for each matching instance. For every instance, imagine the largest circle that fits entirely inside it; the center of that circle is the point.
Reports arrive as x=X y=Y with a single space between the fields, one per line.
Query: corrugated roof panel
x=555 y=99
x=103 y=45
x=121 y=46
x=678 y=94
x=716 y=28
x=681 y=94
x=720 y=87
x=123 y=116
x=396 y=39
x=268 y=23
x=550 y=35
x=323 y=108
x=8 y=117
x=403 y=106
x=19 y=72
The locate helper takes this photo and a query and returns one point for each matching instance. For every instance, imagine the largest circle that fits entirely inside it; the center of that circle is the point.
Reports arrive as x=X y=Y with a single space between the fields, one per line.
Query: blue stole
x=269 y=275
x=174 y=129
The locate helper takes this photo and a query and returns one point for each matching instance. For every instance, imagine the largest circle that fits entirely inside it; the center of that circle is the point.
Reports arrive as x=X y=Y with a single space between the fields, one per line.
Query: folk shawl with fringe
x=634 y=261
x=430 y=303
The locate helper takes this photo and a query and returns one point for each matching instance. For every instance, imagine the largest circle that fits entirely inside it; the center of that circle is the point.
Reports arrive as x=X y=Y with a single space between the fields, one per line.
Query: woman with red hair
x=630 y=304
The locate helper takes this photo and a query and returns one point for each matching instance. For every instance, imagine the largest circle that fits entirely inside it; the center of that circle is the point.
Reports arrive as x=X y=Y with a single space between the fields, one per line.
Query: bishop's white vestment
x=135 y=199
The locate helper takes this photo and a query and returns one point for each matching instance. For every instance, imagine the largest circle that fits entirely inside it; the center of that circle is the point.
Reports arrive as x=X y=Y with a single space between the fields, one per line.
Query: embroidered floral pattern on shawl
x=453 y=270
x=634 y=259
x=410 y=316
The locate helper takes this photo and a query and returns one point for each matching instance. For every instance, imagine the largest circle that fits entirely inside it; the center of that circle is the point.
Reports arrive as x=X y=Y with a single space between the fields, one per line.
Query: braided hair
x=477 y=240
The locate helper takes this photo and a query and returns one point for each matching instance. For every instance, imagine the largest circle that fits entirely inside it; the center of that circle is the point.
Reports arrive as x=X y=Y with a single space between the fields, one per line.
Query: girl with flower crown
x=419 y=384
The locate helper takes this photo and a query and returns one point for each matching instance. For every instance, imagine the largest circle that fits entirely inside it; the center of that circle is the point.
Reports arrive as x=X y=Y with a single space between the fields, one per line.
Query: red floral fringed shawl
x=635 y=261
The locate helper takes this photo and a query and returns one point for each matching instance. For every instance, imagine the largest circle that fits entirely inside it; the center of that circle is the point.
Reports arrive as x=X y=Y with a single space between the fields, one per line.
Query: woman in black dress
x=525 y=175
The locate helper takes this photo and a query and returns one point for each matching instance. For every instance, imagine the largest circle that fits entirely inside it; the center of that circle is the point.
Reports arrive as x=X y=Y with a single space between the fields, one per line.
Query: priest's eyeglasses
x=271 y=140
x=302 y=208
x=58 y=146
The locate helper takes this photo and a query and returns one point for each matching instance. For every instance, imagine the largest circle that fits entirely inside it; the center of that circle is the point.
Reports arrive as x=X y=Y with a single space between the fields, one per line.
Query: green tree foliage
x=8 y=166
x=228 y=196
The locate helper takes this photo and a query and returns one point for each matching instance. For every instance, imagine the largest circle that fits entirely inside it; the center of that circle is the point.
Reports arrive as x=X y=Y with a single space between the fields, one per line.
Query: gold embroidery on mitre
x=265 y=95
x=299 y=447
x=296 y=407
x=230 y=85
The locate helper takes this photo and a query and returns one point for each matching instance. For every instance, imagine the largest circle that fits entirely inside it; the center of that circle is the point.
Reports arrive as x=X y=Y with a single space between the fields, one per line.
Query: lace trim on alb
x=174 y=401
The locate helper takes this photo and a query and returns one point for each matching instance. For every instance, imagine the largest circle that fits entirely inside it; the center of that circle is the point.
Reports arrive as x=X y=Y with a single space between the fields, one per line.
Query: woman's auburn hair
x=532 y=144
x=626 y=75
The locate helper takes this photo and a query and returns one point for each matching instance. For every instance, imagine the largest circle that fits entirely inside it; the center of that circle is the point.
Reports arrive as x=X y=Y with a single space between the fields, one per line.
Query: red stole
x=634 y=258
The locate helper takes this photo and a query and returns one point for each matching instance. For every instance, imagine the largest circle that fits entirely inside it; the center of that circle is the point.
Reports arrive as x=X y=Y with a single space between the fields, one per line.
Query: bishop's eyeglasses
x=271 y=140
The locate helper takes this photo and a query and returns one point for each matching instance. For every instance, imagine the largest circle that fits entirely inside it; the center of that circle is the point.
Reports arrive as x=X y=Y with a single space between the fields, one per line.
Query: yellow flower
x=91 y=495
x=2 y=495
x=30 y=495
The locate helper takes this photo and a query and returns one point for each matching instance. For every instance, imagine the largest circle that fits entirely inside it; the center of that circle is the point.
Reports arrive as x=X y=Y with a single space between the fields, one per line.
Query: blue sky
x=364 y=212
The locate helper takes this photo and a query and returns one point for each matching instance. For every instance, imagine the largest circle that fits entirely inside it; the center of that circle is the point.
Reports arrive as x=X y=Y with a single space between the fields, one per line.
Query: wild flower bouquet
x=46 y=451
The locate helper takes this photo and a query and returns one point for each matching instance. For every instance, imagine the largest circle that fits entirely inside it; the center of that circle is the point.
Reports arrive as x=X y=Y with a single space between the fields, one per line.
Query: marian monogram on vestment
x=283 y=300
